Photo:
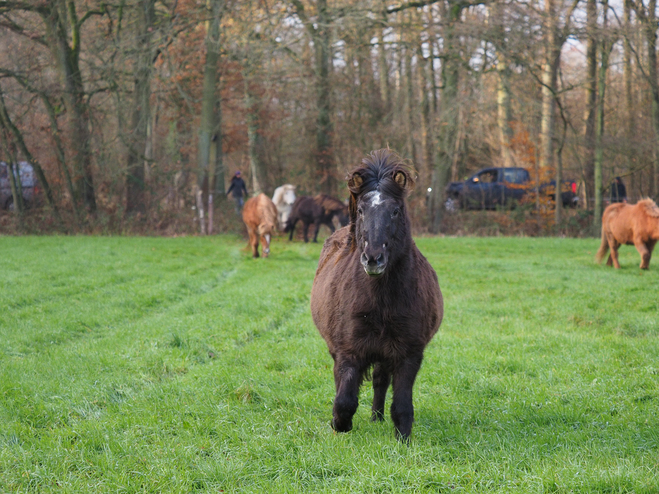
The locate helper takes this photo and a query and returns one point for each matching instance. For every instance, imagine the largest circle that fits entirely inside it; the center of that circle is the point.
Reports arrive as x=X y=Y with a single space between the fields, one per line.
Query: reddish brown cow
x=375 y=298
x=260 y=217
x=625 y=224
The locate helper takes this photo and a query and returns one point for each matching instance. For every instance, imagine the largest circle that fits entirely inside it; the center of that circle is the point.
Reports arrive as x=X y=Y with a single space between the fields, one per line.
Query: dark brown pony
x=260 y=217
x=375 y=298
x=319 y=210
x=624 y=224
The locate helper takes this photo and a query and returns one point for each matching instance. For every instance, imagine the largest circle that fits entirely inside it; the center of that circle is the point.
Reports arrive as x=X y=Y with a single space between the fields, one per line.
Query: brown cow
x=375 y=298
x=625 y=224
x=260 y=217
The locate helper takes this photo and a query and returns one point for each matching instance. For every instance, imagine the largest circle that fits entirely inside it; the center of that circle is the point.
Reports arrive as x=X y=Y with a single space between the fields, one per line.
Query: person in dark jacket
x=238 y=190
x=618 y=191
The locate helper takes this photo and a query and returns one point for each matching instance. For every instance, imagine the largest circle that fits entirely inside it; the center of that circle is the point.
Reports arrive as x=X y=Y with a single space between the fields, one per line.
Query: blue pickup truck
x=501 y=187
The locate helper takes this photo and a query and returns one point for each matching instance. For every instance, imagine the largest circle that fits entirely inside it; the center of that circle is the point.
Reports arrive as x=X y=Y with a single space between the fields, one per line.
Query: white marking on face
x=376 y=199
x=267 y=238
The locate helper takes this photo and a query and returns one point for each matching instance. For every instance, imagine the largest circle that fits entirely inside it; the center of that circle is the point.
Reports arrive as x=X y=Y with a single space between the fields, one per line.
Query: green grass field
x=181 y=365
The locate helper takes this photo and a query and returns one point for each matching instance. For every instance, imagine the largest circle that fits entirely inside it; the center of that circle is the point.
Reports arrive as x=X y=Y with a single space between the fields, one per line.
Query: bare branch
x=410 y=5
x=301 y=13
x=18 y=29
x=91 y=13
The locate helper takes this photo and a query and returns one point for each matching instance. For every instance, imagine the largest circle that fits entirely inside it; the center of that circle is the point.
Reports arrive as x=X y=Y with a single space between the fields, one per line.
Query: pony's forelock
x=378 y=171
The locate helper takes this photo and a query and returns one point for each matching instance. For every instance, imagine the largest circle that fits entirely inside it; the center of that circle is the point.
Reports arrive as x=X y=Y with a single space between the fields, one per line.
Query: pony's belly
x=381 y=343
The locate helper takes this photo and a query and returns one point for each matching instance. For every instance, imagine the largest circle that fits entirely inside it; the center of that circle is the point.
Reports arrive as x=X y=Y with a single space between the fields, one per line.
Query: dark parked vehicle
x=29 y=183
x=501 y=187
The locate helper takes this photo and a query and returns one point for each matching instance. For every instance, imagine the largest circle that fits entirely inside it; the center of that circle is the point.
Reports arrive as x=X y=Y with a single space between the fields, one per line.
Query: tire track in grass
x=89 y=323
x=72 y=361
x=144 y=369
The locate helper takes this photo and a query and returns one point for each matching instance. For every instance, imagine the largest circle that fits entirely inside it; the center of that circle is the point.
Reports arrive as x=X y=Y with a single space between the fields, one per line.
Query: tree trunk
x=324 y=151
x=591 y=99
x=67 y=58
x=141 y=111
x=599 y=128
x=549 y=76
x=448 y=130
x=209 y=149
x=255 y=139
x=504 y=109
x=629 y=100
x=383 y=69
x=651 y=37
x=504 y=113
x=423 y=77
x=409 y=102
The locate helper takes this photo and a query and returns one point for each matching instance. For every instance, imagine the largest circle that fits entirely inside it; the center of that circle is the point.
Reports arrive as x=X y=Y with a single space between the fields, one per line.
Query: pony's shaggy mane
x=650 y=207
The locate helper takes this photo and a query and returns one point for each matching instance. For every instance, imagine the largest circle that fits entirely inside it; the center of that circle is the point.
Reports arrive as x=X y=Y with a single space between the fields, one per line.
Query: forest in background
x=136 y=113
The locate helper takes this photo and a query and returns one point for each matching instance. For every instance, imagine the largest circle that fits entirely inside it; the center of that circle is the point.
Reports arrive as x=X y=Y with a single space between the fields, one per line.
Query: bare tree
x=211 y=170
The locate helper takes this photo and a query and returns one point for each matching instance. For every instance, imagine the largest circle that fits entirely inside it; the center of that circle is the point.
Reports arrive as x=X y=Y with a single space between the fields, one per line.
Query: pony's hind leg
x=645 y=253
x=650 y=245
x=347 y=378
x=613 y=256
x=381 y=381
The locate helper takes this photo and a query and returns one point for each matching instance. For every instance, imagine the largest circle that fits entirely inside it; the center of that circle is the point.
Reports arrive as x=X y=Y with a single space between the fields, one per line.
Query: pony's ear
x=402 y=179
x=355 y=182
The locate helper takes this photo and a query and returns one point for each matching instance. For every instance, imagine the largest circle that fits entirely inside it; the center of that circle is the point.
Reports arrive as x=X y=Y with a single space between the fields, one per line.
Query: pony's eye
x=360 y=211
x=396 y=212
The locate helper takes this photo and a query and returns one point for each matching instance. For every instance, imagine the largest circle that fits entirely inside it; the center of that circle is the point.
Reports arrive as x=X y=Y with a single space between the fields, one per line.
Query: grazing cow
x=260 y=217
x=375 y=298
x=319 y=210
x=636 y=225
x=284 y=197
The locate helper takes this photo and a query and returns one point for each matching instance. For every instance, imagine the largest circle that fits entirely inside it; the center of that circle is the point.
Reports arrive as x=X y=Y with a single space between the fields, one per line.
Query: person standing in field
x=239 y=191
x=618 y=191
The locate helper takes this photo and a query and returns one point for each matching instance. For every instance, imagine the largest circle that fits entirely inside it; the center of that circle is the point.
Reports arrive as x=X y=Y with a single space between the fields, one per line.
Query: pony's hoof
x=341 y=427
x=403 y=438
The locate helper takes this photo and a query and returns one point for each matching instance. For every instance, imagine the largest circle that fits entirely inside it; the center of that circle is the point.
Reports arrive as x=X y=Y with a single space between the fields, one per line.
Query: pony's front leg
x=402 y=408
x=381 y=381
x=316 y=228
x=347 y=377
x=253 y=242
x=265 y=244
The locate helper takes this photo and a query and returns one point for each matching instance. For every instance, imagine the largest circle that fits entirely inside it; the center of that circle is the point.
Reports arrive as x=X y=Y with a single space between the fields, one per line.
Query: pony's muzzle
x=374 y=263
